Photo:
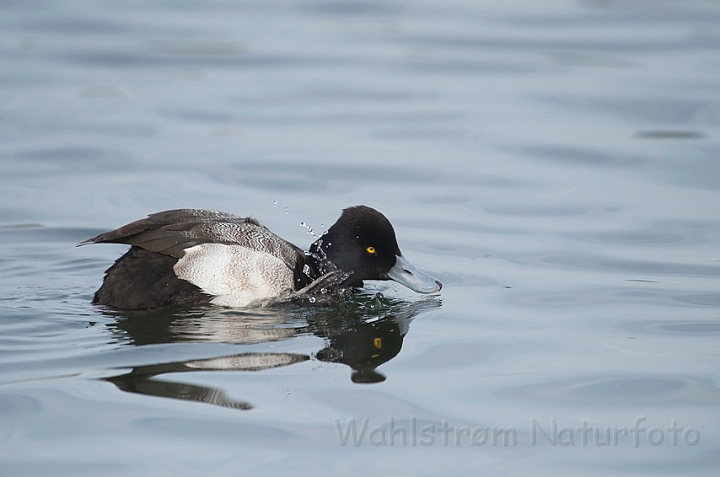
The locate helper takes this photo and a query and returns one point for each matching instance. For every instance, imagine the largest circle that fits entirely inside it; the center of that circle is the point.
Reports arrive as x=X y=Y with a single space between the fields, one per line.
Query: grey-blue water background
x=555 y=164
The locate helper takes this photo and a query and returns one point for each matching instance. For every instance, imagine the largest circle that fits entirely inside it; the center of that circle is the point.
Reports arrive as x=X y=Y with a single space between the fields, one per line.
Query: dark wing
x=173 y=231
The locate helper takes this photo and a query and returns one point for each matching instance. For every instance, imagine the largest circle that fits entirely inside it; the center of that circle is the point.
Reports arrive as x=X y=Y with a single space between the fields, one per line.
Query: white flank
x=234 y=274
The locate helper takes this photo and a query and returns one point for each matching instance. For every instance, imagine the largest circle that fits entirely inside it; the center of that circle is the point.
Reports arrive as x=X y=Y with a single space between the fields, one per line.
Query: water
x=554 y=164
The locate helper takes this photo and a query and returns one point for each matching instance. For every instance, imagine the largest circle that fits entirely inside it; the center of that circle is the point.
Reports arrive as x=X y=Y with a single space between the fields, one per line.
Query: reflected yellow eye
x=371 y=250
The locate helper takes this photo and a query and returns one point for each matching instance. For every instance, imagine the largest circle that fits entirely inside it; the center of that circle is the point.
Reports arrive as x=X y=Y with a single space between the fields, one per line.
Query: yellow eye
x=377 y=342
x=371 y=250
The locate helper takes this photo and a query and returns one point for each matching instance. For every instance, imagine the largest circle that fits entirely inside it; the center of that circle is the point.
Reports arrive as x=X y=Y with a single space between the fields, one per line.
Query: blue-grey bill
x=411 y=277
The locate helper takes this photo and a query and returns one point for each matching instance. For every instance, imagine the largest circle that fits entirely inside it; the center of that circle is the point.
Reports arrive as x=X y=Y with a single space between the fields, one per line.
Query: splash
x=309 y=228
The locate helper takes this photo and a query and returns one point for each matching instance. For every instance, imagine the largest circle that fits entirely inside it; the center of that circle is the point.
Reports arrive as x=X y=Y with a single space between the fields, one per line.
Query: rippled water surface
x=555 y=164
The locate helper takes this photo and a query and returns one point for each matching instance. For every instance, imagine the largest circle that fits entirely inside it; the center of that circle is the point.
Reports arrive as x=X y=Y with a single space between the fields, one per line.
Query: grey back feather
x=172 y=231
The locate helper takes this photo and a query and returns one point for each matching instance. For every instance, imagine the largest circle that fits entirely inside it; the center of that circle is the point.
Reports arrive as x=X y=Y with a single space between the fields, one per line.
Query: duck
x=204 y=257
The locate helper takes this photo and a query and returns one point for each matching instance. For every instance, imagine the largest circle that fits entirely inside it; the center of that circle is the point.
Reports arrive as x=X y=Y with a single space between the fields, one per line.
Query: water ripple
x=641 y=267
x=612 y=391
x=606 y=296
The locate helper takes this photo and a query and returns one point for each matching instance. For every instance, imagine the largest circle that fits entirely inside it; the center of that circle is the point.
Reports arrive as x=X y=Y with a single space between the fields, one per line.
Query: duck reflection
x=140 y=381
x=364 y=347
x=361 y=331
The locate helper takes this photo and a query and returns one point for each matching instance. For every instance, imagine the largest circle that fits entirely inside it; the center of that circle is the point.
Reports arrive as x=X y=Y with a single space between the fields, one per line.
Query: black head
x=362 y=243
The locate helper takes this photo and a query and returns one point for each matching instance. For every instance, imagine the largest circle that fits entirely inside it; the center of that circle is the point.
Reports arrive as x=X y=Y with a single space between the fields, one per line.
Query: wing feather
x=171 y=232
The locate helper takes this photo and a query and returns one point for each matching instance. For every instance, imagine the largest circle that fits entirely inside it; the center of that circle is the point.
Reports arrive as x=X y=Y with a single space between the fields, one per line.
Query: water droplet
x=309 y=228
